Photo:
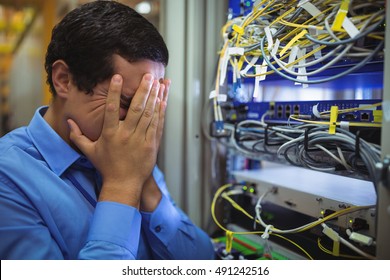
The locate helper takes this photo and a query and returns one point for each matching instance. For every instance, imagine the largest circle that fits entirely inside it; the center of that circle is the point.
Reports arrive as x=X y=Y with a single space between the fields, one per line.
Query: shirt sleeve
x=170 y=231
x=114 y=233
x=27 y=233
x=23 y=234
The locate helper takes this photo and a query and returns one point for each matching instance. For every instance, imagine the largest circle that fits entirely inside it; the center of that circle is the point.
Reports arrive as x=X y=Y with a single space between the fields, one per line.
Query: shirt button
x=157 y=229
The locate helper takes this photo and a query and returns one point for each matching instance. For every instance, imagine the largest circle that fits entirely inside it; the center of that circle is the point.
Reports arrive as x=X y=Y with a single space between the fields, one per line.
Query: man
x=80 y=181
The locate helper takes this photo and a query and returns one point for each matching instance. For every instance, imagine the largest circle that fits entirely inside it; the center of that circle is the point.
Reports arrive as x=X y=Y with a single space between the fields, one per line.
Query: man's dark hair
x=88 y=37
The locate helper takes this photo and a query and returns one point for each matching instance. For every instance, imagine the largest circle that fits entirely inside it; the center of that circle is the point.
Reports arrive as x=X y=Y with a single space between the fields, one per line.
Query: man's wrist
x=125 y=192
x=151 y=195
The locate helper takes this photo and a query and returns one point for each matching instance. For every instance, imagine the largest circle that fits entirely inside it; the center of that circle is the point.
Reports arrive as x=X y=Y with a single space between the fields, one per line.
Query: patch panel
x=279 y=112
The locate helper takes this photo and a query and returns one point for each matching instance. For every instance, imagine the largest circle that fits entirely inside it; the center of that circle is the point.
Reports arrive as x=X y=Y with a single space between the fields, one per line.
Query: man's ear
x=61 y=78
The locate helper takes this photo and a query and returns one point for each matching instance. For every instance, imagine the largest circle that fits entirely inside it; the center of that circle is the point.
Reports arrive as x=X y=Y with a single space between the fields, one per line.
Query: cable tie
x=317 y=54
x=238 y=29
x=340 y=16
x=222 y=97
x=224 y=65
x=313 y=30
x=302 y=69
x=311 y=9
x=234 y=72
x=344 y=125
x=293 y=56
x=333 y=119
x=350 y=28
x=274 y=49
x=315 y=111
x=236 y=51
x=267 y=231
x=260 y=70
x=249 y=65
x=229 y=241
x=213 y=94
x=269 y=38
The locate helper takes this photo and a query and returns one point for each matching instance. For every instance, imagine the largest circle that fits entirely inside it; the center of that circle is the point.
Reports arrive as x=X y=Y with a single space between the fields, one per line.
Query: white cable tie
x=256 y=91
x=302 y=2
x=236 y=51
x=276 y=47
x=311 y=9
x=213 y=94
x=315 y=111
x=260 y=69
x=267 y=230
x=313 y=31
x=293 y=56
x=329 y=232
x=269 y=38
x=238 y=74
x=223 y=69
x=234 y=74
x=350 y=28
x=222 y=97
x=263 y=70
x=302 y=70
x=249 y=65
x=317 y=54
x=344 y=125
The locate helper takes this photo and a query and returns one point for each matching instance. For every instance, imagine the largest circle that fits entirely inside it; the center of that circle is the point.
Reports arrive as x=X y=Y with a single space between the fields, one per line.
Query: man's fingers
x=138 y=103
x=161 y=107
x=78 y=138
x=111 y=115
x=153 y=125
x=167 y=84
x=148 y=113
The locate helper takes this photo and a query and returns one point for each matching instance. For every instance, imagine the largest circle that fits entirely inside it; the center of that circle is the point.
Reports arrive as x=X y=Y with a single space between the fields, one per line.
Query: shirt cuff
x=116 y=223
x=164 y=221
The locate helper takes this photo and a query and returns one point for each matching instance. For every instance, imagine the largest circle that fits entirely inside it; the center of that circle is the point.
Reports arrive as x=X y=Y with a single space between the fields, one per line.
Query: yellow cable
x=355 y=108
x=221 y=190
x=218 y=193
x=354 y=124
x=327 y=251
x=284 y=22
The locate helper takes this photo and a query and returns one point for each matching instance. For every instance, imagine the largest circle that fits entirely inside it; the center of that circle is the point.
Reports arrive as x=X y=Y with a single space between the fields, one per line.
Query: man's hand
x=126 y=151
x=151 y=194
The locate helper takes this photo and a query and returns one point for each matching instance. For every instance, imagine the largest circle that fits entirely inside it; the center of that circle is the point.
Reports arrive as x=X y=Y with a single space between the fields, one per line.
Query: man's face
x=88 y=110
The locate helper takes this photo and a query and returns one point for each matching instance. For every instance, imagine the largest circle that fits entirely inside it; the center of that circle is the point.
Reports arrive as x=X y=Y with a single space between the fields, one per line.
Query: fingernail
x=117 y=78
x=148 y=77
x=156 y=84
x=168 y=83
x=70 y=125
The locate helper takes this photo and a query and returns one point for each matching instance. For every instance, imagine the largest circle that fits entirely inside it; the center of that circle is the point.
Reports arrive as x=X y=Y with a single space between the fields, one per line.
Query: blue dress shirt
x=43 y=215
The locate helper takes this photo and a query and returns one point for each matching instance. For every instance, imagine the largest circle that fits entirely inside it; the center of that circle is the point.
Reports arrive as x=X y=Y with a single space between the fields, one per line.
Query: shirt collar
x=56 y=152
